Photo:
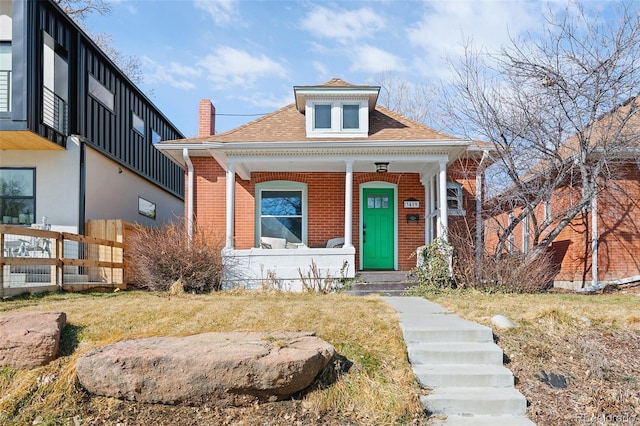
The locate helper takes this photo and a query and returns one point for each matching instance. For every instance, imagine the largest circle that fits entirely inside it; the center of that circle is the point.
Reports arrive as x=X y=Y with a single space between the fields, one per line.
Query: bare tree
x=411 y=100
x=79 y=11
x=561 y=111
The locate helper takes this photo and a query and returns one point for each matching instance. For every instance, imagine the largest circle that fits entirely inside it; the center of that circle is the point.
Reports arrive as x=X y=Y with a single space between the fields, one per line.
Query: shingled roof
x=288 y=125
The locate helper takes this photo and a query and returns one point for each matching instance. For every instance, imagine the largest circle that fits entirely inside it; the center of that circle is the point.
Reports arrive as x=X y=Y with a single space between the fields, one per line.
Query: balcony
x=55 y=112
x=5 y=90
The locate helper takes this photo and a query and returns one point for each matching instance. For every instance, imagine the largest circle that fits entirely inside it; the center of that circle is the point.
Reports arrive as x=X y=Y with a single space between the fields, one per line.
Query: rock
x=502 y=321
x=586 y=321
x=229 y=368
x=30 y=339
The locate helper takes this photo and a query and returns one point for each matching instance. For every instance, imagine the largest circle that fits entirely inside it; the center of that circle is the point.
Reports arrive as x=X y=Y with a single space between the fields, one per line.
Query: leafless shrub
x=161 y=257
x=512 y=272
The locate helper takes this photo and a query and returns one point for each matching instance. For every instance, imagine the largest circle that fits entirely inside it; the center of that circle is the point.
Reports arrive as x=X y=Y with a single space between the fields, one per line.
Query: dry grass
x=593 y=341
x=379 y=389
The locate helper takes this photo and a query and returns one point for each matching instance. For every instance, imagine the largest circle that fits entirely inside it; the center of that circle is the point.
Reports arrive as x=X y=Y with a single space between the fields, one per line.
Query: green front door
x=377 y=229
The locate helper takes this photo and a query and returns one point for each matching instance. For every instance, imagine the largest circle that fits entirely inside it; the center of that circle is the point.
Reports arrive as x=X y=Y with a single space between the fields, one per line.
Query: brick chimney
x=207 y=119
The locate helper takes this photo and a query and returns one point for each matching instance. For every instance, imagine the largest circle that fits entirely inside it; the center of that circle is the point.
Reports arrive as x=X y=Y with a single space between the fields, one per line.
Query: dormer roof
x=336 y=87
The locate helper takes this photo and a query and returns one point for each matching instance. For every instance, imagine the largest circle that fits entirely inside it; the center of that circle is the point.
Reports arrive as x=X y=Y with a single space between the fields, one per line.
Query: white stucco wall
x=280 y=268
x=109 y=194
x=112 y=193
x=57 y=183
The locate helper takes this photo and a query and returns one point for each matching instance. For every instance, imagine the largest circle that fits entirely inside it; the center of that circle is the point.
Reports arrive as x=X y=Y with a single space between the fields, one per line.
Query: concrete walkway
x=460 y=362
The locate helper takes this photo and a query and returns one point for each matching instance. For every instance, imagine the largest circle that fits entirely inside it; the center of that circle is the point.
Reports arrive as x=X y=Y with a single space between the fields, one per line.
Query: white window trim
x=337 y=130
x=280 y=185
x=460 y=210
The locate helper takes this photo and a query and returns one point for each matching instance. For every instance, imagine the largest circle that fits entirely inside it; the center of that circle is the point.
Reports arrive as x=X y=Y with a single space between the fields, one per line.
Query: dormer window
x=337 y=118
x=336 y=109
x=350 y=116
x=322 y=116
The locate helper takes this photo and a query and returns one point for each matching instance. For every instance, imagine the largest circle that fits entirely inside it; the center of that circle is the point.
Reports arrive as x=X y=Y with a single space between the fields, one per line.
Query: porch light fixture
x=381 y=167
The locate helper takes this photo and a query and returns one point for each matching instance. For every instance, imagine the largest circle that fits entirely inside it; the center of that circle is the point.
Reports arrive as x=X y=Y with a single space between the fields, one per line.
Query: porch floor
x=385 y=283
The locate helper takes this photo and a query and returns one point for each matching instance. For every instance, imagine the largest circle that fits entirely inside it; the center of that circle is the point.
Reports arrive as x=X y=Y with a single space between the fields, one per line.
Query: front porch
x=286 y=269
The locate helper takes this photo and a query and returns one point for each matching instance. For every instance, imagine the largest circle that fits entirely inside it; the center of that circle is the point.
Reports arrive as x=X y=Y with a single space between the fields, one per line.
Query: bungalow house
x=332 y=183
x=76 y=135
x=601 y=244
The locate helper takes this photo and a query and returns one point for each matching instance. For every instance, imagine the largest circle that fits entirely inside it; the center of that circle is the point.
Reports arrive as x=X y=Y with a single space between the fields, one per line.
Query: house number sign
x=411 y=203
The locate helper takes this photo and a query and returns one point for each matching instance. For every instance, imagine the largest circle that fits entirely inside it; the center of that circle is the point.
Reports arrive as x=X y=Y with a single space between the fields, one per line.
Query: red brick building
x=332 y=179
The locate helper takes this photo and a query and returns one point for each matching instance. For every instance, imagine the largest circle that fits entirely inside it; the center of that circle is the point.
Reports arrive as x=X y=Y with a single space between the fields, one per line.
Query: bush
x=510 y=273
x=433 y=272
x=163 y=257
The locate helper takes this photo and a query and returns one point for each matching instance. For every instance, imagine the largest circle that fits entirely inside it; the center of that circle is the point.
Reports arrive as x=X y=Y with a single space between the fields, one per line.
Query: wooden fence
x=33 y=260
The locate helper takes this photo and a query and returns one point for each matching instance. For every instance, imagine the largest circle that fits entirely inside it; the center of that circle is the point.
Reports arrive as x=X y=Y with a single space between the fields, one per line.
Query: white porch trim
x=281 y=268
x=230 y=206
x=348 y=205
x=442 y=198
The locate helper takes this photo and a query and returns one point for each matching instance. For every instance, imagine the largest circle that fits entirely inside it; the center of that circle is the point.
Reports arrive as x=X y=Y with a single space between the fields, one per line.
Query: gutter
x=187 y=160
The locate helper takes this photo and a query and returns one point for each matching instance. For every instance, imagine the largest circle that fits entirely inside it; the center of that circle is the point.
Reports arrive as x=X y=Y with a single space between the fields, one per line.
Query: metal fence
x=36 y=260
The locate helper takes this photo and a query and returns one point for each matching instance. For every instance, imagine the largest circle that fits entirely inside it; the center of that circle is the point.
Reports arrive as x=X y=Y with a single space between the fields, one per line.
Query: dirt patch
x=600 y=369
x=101 y=411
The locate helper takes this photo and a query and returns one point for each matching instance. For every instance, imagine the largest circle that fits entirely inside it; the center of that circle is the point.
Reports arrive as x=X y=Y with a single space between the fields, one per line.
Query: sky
x=246 y=56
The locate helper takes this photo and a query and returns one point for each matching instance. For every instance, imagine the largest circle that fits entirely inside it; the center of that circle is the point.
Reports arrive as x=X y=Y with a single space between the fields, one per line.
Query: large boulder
x=30 y=339
x=228 y=368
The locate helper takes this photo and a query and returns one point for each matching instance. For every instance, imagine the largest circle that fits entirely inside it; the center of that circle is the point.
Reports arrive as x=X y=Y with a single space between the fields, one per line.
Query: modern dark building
x=76 y=135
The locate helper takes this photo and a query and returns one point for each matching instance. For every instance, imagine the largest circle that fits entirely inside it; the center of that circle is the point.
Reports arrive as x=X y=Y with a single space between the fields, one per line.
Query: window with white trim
x=454 y=199
x=322 y=116
x=281 y=211
x=337 y=118
x=350 y=116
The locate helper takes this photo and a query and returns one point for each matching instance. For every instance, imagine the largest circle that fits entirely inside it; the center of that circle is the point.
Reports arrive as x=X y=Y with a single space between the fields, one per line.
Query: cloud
x=173 y=74
x=268 y=101
x=342 y=25
x=221 y=11
x=374 y=60
x=228 y=66
x=321 y=69
x=448 y=25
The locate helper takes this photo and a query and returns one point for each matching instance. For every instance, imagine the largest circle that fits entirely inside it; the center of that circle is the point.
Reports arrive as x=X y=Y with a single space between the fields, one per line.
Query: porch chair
x=335 y=242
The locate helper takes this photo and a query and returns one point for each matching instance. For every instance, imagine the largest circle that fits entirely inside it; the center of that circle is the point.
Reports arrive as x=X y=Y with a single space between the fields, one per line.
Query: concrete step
x=475 y=401
x=462 y=375
x=455 y=353
x=370 y=289
x=443 y=328
x=457 y=420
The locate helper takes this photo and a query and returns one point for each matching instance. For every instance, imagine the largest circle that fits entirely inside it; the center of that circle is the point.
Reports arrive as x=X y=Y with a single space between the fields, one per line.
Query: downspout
x=594 y=240
x=479 y=191
x=187 y=160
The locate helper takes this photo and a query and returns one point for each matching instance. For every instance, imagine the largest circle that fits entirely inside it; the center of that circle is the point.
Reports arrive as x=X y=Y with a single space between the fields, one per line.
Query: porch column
x=230 y=197
x=348 y=205
x=442 y=198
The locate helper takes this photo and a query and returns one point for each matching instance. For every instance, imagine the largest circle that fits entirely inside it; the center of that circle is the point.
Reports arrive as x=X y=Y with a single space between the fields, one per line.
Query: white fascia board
x=342 y=144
